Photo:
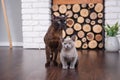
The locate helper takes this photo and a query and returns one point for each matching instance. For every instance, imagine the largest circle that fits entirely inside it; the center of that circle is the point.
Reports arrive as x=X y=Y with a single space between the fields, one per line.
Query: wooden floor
x=22 y=64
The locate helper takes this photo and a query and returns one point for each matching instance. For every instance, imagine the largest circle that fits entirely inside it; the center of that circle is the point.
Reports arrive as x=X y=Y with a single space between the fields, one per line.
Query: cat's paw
x=72 y=67
x=60 y=65
x=65 y=67
x=47 y=64
x=55 y=63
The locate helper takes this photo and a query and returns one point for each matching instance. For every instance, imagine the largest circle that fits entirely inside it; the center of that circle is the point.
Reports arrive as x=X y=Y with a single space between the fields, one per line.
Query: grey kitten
x=68 y=53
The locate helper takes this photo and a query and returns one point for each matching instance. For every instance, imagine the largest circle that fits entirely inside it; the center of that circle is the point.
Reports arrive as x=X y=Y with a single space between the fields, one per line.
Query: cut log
x=99 y=7
x=81 y=34
x=63 y=34
x=85 y=46
x=100 y=45
x=76 y=8
x=98 y=37
x=83 y=5
x=80 y=19
x=69 y=13
x=76 y=37
x=77 y=26
x=75 y=16
x=84 y=12
x=91 y=5
x=92 y=44
x=78 y=43
x=56 y=13
x=84 y=39
x=93 y=15
x=100 y=21
x=90 y=36
x=87 y=20
x=70 y=22
x=100 y=15
x=69 y=31
x=86 y=27
x=55 y=7
x=92 y=22
x=97 y=28
x=62 y=9
x=68 y=6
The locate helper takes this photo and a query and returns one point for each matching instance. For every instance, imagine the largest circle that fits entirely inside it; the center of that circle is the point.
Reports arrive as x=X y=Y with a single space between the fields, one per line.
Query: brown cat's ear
x=73 y=37
x=66 y=16
x=53 y=17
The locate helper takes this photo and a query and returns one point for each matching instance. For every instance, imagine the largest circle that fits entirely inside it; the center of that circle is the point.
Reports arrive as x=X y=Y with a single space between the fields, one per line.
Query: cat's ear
x=62 y=39
x=73 y=37
x=53 y=17
x=64 y=16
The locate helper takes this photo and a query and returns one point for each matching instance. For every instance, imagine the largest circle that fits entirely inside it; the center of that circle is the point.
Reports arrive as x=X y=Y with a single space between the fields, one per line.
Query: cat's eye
x=65 y=22
x=59 y=22
x=65 y=43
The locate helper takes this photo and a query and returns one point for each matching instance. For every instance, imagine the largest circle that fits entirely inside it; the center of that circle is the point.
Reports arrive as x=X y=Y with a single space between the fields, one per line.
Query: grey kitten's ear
x=73 y=37
x=62 y=39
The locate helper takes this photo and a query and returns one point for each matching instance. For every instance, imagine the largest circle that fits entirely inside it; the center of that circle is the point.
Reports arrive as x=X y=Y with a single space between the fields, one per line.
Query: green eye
x=65 y=43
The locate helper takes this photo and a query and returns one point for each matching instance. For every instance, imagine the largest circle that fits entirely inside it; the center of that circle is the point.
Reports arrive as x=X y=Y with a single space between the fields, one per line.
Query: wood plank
x=76 y=1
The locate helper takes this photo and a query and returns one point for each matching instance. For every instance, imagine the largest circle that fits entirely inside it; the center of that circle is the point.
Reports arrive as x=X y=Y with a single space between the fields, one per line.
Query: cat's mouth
x=68 y=48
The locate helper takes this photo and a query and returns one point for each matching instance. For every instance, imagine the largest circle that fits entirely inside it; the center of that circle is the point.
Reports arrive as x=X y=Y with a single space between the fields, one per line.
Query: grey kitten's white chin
x=67 y=48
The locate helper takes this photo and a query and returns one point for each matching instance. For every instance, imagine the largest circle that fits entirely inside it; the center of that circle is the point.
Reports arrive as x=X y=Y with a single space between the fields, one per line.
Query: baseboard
x=13 y=43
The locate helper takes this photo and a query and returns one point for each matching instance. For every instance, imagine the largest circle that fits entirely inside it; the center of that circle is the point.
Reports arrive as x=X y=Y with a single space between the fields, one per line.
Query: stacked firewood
x=85 y=21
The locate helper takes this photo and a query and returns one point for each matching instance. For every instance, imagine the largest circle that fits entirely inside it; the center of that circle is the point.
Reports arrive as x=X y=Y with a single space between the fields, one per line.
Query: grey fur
x=68 y=53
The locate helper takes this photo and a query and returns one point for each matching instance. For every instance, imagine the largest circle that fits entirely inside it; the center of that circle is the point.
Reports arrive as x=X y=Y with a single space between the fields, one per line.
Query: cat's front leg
x=72 y=64
x=64 y=63
x=48 y=59
x=65 y=67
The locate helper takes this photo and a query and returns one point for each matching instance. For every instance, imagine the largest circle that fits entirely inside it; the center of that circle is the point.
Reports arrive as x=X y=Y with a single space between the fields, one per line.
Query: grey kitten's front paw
x=72 y=67
x=65 y=67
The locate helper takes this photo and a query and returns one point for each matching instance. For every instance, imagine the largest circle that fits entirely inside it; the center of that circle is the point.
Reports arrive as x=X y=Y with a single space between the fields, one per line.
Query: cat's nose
x=67 y=46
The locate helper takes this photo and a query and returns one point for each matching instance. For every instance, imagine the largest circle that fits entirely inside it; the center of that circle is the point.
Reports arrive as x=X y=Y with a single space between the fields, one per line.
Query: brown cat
x=52 y=39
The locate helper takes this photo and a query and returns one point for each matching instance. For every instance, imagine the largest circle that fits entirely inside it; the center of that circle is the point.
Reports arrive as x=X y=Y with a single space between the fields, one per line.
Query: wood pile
x=85 y=20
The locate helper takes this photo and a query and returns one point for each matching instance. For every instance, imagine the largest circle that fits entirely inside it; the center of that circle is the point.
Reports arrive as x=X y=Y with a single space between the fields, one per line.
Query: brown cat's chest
x=53 y=35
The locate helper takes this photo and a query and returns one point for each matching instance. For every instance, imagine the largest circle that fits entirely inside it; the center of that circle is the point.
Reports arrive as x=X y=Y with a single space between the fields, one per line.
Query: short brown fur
x=53 y=44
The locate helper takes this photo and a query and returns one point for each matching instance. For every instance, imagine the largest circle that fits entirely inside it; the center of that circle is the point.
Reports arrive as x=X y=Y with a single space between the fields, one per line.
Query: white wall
x=13 y=8
x=112 y=13
x=36 y=19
